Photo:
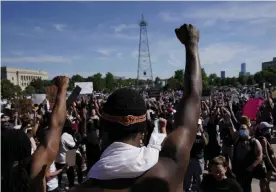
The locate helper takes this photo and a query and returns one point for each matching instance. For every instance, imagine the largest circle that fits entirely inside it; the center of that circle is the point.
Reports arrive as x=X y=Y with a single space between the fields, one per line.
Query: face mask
x=242 y=133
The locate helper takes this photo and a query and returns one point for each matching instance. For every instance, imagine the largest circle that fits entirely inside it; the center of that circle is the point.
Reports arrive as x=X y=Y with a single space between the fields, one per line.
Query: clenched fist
x=62 y=82
x=163 y=125
x=187 y=34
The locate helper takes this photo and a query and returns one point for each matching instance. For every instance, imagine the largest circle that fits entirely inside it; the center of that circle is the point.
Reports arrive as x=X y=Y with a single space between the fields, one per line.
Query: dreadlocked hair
x=124 y=102
x=16 y=161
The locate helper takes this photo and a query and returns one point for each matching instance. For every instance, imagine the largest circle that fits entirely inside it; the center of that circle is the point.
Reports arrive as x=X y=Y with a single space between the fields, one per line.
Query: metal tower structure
x=144 y=72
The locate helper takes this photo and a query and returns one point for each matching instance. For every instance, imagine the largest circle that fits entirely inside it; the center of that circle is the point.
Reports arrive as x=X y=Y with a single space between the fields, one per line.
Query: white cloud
x=134 y=54
x=37 y=59
x=126 y=36
x=119 y=55
x=174 y=61
x=39 y=29
x=220 y=53
x=59 y=27
x=169 y=16
x=105 y=51
x=257 y=12
x=17 y=53
x=123 y=27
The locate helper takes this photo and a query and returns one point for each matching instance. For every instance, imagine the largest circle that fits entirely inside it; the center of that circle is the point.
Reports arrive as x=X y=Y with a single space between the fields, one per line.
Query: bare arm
x=259 y=153
x=50 y=175
x=233 y=131
x=47 y=151
x=206 y=107
x=264 y=144
x=180 y=141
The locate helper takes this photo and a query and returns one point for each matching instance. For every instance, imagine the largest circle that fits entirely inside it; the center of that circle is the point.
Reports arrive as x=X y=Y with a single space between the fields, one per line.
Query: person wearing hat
x=263 y=134
x=196 y=164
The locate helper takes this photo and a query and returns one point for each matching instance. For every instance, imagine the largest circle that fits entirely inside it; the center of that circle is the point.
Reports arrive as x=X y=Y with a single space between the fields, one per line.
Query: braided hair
x=16 y=160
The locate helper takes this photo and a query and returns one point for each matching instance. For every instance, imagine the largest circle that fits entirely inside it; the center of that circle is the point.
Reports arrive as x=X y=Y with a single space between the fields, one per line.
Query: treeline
x=267 y=76
x=109 y=82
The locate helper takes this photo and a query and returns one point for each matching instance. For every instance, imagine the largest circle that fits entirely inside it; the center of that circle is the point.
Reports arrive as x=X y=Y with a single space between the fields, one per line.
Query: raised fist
x=62 y=82
x=163 y=125
x=187 y=34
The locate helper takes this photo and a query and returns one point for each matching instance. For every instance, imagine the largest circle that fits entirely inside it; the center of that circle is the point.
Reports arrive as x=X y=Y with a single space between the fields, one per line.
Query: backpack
x=260 y=171
x=270 y=156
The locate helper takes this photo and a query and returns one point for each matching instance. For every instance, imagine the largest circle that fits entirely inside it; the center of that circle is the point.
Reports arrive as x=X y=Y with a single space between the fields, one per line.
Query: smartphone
x=73 y=97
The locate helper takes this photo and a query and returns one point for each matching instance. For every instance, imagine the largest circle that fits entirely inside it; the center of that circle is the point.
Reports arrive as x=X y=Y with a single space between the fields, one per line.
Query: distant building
x=267 y=64
x=243 y=70
x=244 y=74
x=222 y=74
x=22 y=77
x=243 y=67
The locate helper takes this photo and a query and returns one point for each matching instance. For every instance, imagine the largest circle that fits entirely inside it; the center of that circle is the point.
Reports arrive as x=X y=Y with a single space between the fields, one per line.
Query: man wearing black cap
x=124 y=119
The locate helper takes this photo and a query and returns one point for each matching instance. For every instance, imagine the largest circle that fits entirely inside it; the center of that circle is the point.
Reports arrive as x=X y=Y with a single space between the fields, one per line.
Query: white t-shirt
x=67 y=140
x=33 y=145
x=53 y=182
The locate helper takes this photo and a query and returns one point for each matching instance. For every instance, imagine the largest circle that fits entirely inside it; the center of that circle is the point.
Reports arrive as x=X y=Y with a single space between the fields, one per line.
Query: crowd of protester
x=131 y=139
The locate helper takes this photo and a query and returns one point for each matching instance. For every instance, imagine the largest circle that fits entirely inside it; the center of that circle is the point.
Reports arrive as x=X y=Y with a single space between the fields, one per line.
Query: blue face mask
x=243 y=133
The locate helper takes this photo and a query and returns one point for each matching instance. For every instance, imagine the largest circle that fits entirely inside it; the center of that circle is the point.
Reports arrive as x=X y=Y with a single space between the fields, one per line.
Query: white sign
x=38 y=98
x=71 y=157
x=86 y=87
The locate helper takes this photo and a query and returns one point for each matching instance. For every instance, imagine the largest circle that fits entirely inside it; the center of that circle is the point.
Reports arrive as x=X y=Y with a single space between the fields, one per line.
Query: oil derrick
x=144 y=72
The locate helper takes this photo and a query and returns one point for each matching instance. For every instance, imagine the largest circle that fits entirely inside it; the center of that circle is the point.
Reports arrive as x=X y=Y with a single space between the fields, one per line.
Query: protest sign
x=86 y=87
x=251 y=108
x=71 y=157
x=38 y=98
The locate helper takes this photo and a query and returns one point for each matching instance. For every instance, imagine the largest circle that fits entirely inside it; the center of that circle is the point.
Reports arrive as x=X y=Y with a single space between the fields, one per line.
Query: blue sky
x=89 y=37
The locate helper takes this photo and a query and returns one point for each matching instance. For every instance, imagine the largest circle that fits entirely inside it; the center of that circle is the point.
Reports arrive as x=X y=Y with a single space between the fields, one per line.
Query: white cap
x=17 y=127
x=265 y=125
x=199 y=122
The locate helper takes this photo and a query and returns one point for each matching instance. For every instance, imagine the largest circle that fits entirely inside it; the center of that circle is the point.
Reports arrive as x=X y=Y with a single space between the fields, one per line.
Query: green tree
x=98 y=82
x=74 y=79
x=234 y=81
x=172 y=84
x=250 y=80
x=242 y=79
x=217 y=81
x=17 y=90
x=179 y=75
x=212 y=79
x=157 y=81
x=9 y=90
x=48 y=83
x=29 y=90
x=205 y=83
x=37 y=85
x=109 y=81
